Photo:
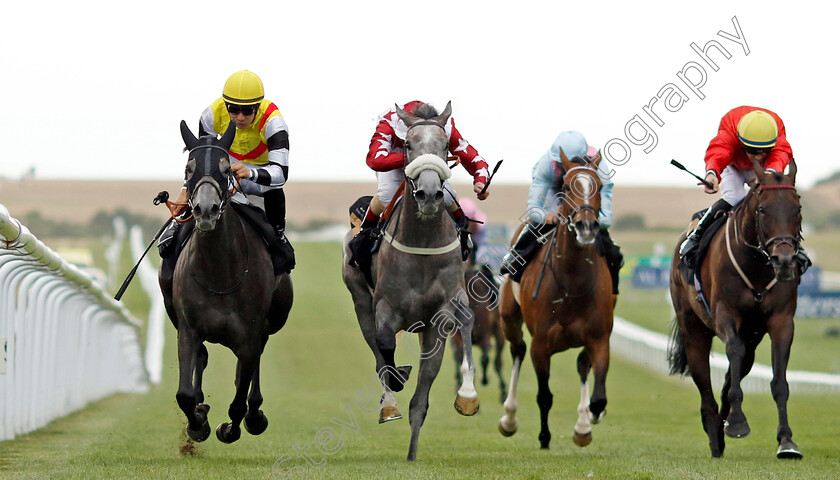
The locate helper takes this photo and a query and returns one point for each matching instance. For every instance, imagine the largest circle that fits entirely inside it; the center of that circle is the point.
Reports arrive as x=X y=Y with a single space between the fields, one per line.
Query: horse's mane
x=425 y=111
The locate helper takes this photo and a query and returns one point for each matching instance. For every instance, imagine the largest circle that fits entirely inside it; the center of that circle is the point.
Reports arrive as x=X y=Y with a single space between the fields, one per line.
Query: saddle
x=688 y=266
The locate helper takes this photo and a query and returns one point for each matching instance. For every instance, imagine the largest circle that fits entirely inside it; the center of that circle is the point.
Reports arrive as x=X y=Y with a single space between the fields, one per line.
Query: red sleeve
x=722 y=148
x=470 y=159
x=381 y=156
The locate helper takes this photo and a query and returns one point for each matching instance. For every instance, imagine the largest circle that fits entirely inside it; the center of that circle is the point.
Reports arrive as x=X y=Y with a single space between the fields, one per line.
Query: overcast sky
x=95 y=90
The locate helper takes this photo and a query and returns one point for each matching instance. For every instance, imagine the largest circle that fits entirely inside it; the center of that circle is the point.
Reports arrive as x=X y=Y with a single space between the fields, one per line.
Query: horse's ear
x=447 y=112
x=406 y=117
x=596 y=161
x=567 y=164
x=189 y=139
x=792 y=171
x=758 y=169
x=227 y=138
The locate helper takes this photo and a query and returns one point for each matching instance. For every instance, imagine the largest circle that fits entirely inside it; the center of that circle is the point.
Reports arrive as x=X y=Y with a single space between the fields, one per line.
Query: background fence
x=64 y=341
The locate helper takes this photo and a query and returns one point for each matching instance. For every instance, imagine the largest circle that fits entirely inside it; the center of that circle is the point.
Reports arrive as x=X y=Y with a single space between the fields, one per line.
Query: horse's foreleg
x=736 y=422
x=497 y=362
x=485 y=358
x=458 y=354
x=781 y=338
x=698 y=343
x=201 y=365
x=430 y=362
x=541 y=358
x=583 y=428
x=198 y=428
x=245 y=368
x=466 y=400
x=513 y=332
x=255 y=420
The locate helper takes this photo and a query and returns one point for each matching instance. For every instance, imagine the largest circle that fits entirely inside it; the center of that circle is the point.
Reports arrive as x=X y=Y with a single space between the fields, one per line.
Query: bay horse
x=223 y=291
x=566 y=302
x=487 y=333
x=419 y=278
x=748 y=288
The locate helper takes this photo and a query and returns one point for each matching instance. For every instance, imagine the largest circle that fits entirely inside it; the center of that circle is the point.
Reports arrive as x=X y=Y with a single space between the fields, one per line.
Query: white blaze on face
x=584 y=186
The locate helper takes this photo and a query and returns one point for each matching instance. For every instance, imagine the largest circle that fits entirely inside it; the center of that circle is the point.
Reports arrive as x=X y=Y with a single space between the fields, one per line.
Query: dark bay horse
x=223 y=291
x=487 y=331
x=566 y=301
x=749 y=284
x=419 y=278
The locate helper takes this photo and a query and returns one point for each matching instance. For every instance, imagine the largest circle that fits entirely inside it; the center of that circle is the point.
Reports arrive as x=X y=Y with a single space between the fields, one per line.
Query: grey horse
x=419 y=279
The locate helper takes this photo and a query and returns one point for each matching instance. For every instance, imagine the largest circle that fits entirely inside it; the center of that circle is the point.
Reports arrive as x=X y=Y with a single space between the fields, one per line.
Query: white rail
x=64 y=341
x=650 y=349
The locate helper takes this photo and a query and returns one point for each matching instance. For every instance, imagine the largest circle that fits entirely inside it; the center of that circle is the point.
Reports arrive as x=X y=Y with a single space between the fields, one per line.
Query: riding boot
x=523 y=249
x=689 y=246
x=462 y=222
x=612 y=253
x=282 y=253
x=166 y=242
x=361 y=245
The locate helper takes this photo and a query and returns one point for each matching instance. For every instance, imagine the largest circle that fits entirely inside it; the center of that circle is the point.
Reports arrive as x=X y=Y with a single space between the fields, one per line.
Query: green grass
x=313 y=369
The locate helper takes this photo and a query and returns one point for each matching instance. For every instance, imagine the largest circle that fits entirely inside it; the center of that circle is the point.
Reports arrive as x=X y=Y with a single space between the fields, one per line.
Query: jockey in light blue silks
x=543 y=203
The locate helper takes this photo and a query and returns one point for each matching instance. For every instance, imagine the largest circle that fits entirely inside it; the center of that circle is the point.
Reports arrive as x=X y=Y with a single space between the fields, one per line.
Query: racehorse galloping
x=487 y=328
x=224 y=291
x=419 y=278
x=749 y=282
x=566 y=301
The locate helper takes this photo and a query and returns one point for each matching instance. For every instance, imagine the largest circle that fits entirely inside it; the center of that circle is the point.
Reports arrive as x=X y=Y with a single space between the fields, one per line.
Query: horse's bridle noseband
x=764 y=245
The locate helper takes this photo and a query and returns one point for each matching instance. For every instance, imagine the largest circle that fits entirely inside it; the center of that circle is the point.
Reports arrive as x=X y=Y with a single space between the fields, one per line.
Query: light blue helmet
x=572 y=143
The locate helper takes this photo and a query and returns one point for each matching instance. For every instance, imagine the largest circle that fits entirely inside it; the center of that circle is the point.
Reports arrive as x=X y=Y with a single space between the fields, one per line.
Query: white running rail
x=650 y=349
x=64 y=341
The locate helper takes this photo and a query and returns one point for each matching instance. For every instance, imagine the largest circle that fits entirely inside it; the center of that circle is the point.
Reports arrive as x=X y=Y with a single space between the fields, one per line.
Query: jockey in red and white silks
x=386 y=154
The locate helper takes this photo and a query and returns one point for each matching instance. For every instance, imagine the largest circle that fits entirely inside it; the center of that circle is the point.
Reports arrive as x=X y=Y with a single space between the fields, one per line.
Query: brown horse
x=566 y=302
x=748 y=287
x=487 y=333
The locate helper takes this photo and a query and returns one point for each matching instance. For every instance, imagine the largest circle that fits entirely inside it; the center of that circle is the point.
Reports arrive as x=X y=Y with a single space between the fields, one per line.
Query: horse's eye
x=408 y=145
x=762 y=210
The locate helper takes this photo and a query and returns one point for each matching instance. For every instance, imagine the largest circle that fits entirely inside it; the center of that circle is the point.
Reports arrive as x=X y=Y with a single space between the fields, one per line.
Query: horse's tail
x=677 y=358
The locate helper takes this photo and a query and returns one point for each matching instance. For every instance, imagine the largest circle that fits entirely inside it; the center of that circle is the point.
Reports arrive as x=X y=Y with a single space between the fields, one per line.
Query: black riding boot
x=463 y=225
x=612 y=253
x=689 y=246
x=361 y=246
x=166 y=242
x=523 y=249
x=282 y=253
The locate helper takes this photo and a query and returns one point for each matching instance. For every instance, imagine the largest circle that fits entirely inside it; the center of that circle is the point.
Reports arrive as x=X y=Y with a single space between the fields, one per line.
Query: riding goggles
x=246 y=110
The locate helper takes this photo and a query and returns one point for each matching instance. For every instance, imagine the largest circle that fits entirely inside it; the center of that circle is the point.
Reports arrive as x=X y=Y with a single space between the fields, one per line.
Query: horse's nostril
x=421 y=196
x=438 y=197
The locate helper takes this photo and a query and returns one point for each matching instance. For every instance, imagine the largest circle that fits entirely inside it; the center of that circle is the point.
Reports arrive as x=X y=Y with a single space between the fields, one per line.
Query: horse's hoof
x=582 y=439
x=506 y=431
x=257 y=424
x=737 y=430
x=386 y=414
x=200 y=434
x=466 y=406
x=788 y=451
x=226 y=433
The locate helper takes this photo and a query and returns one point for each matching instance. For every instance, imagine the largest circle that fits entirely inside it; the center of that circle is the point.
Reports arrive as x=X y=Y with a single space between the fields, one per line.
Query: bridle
x=764 y=245
x=207 y=178
x=408 y=180
x=580 y=208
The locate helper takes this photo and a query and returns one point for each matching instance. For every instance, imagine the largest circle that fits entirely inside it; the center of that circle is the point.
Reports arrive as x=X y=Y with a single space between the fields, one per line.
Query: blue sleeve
x=606 y=216
x=542 y=179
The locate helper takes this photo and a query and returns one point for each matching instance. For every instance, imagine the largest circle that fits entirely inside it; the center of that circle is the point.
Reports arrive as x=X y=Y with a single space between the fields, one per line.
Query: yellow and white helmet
x=243 y=88
x=758 y=129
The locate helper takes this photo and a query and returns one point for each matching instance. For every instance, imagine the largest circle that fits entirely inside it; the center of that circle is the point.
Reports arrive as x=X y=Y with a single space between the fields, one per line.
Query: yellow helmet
x=243 y=88
x=758 y=129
